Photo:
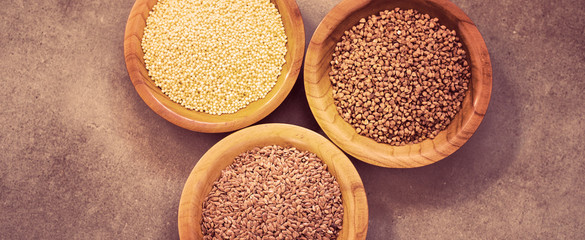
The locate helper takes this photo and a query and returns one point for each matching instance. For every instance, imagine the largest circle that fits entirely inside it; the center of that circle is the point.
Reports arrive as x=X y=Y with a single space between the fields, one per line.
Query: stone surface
x=82 y=156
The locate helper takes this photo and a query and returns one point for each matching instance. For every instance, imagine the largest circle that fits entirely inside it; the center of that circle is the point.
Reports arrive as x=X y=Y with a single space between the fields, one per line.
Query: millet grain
x=214 y=56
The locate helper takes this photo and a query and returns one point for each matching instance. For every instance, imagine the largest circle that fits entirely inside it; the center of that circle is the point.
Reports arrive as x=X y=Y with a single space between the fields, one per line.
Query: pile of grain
x=274 y=193
x=214 y=56
x=399 y=77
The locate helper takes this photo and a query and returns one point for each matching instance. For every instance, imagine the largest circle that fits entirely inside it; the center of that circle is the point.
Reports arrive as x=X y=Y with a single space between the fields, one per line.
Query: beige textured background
x=82 y=157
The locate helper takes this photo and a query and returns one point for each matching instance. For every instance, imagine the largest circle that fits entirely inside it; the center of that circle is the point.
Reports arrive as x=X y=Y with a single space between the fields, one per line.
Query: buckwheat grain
x=399 y=77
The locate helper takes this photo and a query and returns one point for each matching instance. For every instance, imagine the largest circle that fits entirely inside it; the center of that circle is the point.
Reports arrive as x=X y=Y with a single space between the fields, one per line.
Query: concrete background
x=82 y=156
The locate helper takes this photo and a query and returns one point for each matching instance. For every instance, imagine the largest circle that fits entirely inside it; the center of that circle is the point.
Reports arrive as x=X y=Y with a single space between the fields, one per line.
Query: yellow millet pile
x=214 y=56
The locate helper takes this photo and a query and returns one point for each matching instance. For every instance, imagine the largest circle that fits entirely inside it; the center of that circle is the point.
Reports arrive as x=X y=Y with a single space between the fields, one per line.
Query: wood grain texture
x=202 y=122
x=319 y=91
x=222 y=154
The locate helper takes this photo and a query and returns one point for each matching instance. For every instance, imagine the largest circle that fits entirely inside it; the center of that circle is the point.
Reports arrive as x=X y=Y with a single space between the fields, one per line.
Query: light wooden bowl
x=318 y=86
x=202 y=122
x=222 y=154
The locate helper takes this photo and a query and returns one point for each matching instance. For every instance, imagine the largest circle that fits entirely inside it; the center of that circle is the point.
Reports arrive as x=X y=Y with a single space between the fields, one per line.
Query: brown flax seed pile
x=274 y=193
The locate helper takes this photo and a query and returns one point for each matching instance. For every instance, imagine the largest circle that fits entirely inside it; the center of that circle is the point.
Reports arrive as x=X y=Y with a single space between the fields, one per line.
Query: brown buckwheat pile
x=399 y=77
x=274 y=193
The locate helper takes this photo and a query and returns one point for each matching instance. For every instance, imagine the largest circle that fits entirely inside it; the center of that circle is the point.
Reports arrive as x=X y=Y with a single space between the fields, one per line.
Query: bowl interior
x=318 y=87
x=203 y=122
x=221 y=155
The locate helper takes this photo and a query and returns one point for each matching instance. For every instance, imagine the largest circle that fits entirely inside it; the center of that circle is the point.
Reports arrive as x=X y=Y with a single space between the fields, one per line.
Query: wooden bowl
x=318 y=86
x=203 y=122
x=222 y=154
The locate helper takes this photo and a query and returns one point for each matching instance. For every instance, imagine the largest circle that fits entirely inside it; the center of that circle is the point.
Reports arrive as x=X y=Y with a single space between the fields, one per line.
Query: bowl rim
x=138 y=74
x=353 y=193
x=411 y=155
